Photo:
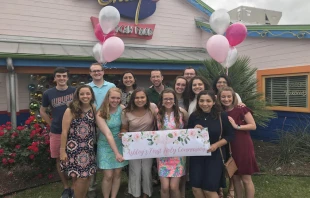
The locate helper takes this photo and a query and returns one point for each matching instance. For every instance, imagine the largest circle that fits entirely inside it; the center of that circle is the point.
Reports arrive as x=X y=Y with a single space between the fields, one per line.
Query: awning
x=132 y=53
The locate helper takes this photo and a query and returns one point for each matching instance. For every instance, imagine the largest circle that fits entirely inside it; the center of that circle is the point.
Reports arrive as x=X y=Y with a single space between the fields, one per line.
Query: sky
x=293 y=11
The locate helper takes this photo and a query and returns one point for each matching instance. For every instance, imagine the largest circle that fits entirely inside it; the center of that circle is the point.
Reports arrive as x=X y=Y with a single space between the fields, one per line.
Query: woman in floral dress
x=77 y=140
x=170 y=169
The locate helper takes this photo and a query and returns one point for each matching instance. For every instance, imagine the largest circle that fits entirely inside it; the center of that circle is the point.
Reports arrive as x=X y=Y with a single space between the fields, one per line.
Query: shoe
x=72 y=193
x=231 y=193
x=66 y=193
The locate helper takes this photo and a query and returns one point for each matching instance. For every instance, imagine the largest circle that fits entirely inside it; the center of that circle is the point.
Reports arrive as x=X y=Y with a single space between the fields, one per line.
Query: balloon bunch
x=110 y=47
x=221 y=48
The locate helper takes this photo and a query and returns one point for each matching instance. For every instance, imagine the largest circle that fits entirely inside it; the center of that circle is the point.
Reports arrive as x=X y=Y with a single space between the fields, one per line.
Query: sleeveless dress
x=242 y=146
x=170 y=166
x=80 y=147
x=105 y=155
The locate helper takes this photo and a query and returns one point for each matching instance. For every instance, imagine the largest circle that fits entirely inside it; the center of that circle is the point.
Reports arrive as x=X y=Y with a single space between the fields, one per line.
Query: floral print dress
x=80 y=147
x=170 y=166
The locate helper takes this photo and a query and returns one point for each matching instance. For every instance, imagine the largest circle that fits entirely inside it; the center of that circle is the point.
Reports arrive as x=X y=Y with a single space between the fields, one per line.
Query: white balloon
x=219 y=21
x=97 y=53
x=231 y=57
x=109 y=18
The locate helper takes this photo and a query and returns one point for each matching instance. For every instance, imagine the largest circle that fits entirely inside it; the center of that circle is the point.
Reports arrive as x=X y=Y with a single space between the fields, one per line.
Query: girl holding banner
x=170 y=169
x=206 y=171
x=139 y=115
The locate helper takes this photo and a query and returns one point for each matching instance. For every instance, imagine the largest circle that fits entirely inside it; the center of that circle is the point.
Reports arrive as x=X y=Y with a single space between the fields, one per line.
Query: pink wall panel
x=69 y=19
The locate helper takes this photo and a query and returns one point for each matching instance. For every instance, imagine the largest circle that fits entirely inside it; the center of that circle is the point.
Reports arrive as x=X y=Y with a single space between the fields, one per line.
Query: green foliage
x=294 y=143
x=243 y=81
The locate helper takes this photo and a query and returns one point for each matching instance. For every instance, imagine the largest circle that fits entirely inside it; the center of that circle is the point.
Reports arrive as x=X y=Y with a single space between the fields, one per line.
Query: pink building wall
x=70 y=19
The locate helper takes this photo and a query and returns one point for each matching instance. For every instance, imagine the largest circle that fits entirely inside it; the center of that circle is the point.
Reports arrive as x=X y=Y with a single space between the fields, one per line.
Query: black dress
x=206 y=171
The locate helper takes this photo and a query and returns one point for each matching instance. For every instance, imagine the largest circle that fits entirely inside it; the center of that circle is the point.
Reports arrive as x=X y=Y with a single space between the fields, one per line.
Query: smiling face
x=227 y=98
x=156 y=78
x=168 y=100
x=85 y=95
x=140 y=99
x=114 y=99
x=128 y=80
x=197 y=86
x=206 y=103
x=189 y=74
x=221 y=83
x=180 y=85
x=96 y=72
x=61 y=79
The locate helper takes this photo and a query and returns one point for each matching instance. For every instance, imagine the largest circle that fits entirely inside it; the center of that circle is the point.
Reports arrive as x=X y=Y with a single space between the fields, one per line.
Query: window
x=286 y=88
x=288 y=91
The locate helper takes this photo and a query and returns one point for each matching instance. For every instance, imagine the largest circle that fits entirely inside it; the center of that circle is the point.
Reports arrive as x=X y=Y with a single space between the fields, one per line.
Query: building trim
x=267 y=31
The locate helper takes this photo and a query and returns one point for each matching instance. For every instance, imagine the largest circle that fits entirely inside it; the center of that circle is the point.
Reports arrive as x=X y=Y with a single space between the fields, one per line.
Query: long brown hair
x=76 y=105
x=215 y=110
x=175 y=108
x=185 y=93
x=104 y=110
x=131 y=104
x=190 y=86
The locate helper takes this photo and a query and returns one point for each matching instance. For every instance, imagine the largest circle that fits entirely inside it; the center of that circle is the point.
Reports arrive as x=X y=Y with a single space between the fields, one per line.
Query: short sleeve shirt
x=153 y=95
x=58 y=100
x=100 y=92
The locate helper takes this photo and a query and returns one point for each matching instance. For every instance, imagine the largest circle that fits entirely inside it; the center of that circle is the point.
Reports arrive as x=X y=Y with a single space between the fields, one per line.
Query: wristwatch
x=238 y=126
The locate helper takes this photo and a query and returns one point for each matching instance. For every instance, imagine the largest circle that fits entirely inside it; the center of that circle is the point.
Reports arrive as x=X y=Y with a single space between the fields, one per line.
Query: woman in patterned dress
x=110 y=113
x=242 y=146
x=77 y=140
x=127 y=85
x=170 y=169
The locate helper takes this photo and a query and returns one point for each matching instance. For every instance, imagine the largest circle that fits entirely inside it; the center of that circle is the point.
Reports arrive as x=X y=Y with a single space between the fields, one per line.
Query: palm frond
x=244 y=82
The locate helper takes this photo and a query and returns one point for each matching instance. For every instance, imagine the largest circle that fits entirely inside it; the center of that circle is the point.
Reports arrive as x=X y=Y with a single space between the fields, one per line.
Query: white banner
x=166 y=143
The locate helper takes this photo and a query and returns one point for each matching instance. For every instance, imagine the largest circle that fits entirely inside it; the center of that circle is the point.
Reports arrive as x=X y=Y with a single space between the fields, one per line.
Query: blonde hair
x=104 y=110
x=235 y=99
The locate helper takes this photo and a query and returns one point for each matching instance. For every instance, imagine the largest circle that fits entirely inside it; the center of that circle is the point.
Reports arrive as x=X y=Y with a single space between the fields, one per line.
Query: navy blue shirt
x=58 y=100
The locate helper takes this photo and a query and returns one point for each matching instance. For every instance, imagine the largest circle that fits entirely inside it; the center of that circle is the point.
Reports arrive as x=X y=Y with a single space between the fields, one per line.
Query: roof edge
x=90 y=58
x=267 y=31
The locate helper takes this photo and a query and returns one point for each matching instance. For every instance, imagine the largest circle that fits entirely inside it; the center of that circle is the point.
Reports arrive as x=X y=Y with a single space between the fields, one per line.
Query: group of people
x=88 y=122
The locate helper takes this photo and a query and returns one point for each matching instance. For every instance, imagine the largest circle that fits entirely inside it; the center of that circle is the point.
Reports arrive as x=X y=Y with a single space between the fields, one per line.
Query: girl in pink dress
x=170 y=169
x=242 y=146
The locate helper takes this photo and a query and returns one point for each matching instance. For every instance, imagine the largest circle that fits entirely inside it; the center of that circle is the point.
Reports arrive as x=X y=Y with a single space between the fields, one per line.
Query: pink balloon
x=102 y=36
x=236 y=33
x=217 y=47
x=112 y=48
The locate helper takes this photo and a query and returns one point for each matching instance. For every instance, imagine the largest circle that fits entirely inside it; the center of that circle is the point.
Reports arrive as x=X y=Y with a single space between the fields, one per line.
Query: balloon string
x=137 y=12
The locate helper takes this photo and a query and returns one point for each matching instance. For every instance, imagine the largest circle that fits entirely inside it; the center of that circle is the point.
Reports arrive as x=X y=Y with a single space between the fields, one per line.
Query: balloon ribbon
x=137 y=12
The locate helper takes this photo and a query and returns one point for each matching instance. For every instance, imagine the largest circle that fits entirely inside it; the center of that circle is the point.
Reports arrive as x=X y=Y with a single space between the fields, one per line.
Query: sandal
x=220 y=193
x=231 y=193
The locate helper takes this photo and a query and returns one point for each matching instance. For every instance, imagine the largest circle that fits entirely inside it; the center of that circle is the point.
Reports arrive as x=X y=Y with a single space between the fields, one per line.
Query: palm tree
x=244 y=82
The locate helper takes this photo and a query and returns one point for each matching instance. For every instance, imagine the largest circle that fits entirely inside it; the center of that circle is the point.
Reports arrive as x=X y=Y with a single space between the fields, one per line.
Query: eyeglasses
x=96 y=71
x=168 y=99
x=221 y=82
